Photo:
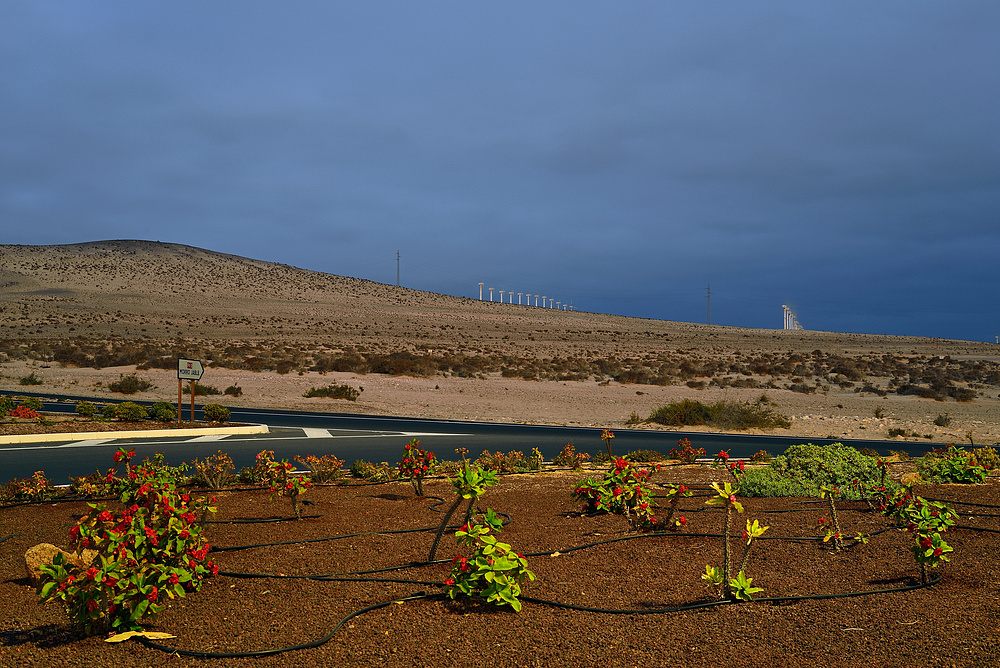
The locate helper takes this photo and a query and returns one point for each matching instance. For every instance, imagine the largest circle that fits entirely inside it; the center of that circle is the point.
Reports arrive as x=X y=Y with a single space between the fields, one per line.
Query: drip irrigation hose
x=962 y=503
x=261 y=520
x=280 y=650
x=6 y=538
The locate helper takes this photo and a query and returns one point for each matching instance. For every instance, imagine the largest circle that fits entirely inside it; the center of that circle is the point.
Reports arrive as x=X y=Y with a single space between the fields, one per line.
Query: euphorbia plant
x=494 y=572
x=416 y=463
x=624 y=490
x=150 y=551
x=926 y=520
x=606 y=436
x=469 y=484
x=732 y=587
x=829 y=492
x=281 y=481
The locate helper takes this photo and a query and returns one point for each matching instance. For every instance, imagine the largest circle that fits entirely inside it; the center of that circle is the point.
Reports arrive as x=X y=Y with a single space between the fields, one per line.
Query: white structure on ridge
x=480 y=292
x=791 y=322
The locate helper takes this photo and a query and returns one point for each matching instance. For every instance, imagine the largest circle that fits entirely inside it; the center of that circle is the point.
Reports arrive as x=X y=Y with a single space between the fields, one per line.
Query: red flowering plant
x=35 y=488
x=24 y=413
x=672 y=496
x=736 y=468
x=624 y=490
x=494 y=571
x=416 y=464
x=685 y=452
x=150 y=551
x=281 y=480
x=927 y=520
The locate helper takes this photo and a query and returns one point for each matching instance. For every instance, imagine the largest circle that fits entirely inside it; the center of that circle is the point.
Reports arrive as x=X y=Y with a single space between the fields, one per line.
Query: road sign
x=189 y=369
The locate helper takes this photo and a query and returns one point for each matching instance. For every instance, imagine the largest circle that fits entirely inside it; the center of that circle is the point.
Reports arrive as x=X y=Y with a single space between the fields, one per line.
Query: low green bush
x=30 y=379
x=233 y=391
x=216 y=413
x=645 y=456
x=7 y=404
x=803 y=469
x=723 y=414
x=163 y=412
x=373 y=472
x=202 y=390
x=86 y=409
x=33 y=403
x=952 y=465
x=335 y=392
x=130 y=384
x=110 y=411
x=130 y=411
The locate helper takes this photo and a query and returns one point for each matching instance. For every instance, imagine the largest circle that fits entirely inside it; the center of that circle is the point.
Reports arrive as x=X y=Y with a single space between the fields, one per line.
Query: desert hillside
x=79 y=316
x=160 y=290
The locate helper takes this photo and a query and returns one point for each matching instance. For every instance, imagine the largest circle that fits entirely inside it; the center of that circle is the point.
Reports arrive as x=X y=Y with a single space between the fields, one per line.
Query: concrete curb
x=140 y=433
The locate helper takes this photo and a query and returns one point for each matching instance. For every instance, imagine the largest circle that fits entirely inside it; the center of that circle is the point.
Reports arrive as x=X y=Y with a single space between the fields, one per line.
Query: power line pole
x=709 y=297
x=397 y=269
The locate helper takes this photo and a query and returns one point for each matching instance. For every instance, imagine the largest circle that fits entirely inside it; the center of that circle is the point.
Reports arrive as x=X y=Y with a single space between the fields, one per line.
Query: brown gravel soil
x=62 y=425
x=953 y=623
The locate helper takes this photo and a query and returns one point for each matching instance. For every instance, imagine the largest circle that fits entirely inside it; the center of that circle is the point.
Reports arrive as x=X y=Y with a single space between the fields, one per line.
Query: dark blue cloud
x=842 y=158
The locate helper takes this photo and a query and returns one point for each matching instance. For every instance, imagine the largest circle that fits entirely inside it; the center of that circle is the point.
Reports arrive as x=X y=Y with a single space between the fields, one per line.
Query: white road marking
x=235 y=438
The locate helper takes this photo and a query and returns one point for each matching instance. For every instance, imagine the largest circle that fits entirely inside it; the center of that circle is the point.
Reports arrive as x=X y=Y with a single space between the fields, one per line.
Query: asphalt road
x=376 y=439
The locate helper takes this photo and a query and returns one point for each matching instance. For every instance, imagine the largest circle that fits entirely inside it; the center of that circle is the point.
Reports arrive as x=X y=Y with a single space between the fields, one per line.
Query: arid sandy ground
x=179 y=296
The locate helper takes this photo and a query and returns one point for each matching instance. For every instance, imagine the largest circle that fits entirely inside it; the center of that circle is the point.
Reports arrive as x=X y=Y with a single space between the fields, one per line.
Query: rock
x=44 y=553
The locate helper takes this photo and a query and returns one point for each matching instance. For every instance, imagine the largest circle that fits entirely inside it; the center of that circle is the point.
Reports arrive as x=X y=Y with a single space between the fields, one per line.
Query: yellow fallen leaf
x=152 y=635
x=557 y=553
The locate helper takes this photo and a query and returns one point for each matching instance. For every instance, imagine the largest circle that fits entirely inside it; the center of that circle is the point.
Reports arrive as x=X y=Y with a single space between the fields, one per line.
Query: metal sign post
x=191 y=370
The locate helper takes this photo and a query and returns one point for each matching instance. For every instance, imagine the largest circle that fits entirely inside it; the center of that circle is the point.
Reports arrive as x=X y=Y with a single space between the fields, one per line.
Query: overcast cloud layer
x=842 y=158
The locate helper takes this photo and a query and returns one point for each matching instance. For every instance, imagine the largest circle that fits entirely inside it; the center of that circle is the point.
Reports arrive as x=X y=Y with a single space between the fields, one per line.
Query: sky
x=629 y=158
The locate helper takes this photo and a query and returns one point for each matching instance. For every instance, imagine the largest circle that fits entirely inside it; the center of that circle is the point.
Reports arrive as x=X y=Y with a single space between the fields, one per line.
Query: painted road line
x=74 y=444
x=313 y=432
x=211 y=437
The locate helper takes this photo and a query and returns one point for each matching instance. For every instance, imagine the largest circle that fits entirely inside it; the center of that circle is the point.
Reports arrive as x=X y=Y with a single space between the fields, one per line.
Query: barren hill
x=135 y=289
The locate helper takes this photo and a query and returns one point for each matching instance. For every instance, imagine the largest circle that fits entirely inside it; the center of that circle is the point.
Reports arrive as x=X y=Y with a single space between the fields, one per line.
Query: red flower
x=173 y=579
x=151 y=596
x=683 y=520
x=449 y=582
x=92 y=573
x=938 y=552
x=105 y=516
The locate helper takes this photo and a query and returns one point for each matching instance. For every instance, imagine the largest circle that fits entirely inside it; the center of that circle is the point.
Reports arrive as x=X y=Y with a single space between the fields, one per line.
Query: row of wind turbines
x=552 y=302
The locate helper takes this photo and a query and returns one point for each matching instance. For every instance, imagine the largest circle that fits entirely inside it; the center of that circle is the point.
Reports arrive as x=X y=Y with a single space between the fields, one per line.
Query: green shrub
x=681 y=413
x=803 y=469
x=30 y=379
x=988 y=458
x=373 y=472
x=7 y=404
x=163 y=412
x=202 y=390
x=110 y=411
x=951 y=465
x=131 y=412
x=233 y=391
x=645 y=456
x=943 y=420
x=216 y=413
x=86 y=409
x=335 y=392
x=33 y=403
x=723 y=414
x=130 y=384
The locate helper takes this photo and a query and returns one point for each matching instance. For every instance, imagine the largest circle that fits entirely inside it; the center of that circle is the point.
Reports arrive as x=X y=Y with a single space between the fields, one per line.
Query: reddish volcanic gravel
x=953 y=623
